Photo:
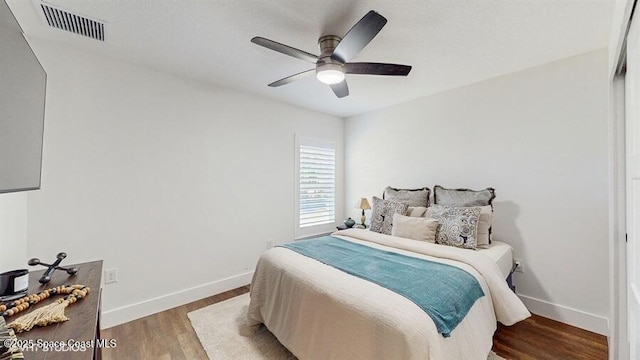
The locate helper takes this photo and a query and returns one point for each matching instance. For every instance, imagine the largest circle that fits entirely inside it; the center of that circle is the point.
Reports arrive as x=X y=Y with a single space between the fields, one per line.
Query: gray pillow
x=412 y=197
x=463 y=197
x=457 y=226
x=382 y=214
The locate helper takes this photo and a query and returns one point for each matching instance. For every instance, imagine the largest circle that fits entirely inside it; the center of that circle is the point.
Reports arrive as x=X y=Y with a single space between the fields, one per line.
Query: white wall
x=13 y=231
x=175 y=183
x=539 y=137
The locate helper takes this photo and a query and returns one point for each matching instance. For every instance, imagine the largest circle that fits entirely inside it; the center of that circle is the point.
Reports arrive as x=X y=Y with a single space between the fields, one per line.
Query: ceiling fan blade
x=340 y=89
x=359 y=36
x=285 y=49
x=292 y=78
x=367 y=68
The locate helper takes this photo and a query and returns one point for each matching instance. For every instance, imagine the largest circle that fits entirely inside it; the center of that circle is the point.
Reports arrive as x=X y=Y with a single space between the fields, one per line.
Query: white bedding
x=502 y=254
x=319 y=312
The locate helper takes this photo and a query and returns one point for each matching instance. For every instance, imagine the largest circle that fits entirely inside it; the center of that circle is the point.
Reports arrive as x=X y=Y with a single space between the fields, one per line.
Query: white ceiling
x=448 y=43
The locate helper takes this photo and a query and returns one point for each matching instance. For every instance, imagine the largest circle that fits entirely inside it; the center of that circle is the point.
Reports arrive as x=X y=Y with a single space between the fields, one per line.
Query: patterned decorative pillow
x=412 y=197
x=458 y=226
x=463 y=197
x=382 y=214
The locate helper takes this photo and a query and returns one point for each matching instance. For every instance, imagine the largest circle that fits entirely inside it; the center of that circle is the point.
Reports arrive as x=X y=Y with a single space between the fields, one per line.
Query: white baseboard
x=148 y=307
x=567 y=315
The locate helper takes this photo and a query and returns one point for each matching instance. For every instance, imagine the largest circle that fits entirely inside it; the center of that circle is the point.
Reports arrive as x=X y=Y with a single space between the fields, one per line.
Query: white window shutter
x=317 y=186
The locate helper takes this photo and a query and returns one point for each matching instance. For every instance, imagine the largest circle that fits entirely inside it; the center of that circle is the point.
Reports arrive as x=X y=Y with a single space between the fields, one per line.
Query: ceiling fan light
x=330 y=73
x=330 y=77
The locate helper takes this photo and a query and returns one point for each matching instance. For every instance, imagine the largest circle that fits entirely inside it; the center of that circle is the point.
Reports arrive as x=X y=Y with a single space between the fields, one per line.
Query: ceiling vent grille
x=81 y=25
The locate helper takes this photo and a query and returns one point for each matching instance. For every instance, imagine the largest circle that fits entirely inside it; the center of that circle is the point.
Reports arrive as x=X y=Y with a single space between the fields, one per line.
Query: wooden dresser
x=84 y=316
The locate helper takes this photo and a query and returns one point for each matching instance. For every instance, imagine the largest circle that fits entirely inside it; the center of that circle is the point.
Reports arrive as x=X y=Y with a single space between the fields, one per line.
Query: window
x=316 y=186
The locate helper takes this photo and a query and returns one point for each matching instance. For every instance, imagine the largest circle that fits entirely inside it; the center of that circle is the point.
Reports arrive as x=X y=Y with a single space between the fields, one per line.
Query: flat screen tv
x=22 y=99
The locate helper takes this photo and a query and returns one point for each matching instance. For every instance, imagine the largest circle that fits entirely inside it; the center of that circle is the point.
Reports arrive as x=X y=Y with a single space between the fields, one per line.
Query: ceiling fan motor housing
x=327 y=44
x=329 y=70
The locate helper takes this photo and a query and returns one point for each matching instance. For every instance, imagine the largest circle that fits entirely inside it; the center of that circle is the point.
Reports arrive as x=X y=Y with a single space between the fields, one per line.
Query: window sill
x=315 y=234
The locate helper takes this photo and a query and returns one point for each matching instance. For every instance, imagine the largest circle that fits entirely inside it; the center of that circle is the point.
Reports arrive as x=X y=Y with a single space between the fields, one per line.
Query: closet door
x=632 y=129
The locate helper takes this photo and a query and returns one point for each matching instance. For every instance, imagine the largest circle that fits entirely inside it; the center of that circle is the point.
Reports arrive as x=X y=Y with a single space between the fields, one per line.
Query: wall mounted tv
x=22 y=97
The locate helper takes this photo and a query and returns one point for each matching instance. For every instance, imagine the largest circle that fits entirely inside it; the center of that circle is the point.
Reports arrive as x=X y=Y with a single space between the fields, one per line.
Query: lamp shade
x=363 y=204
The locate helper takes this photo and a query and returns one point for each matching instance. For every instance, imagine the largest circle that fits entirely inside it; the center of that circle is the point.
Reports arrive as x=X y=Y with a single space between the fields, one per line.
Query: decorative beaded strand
x=74 y=293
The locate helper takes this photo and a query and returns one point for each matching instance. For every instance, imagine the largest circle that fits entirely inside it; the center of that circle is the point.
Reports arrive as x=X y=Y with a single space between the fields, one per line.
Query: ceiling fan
x=333 y=63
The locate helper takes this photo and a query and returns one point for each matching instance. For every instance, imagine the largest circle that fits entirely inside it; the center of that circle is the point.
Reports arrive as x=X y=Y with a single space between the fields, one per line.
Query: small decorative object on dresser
x=8 y=337
x=46 y=277
x=43 y=316
x=14 y=284
x=363 y=204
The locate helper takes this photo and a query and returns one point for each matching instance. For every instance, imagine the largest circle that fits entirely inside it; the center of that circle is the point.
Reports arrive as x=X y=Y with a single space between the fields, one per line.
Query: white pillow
x=415 y=228
x=416 y=211
x=484 y=224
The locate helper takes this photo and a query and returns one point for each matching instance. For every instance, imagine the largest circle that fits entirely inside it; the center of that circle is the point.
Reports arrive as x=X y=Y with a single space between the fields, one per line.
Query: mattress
x=502 y=254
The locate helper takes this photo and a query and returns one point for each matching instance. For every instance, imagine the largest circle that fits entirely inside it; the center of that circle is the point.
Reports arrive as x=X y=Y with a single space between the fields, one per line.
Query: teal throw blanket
x=444 y=292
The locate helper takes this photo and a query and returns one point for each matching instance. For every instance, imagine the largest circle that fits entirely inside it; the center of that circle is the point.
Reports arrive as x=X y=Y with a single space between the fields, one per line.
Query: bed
x=502 y=254
x=320 y=312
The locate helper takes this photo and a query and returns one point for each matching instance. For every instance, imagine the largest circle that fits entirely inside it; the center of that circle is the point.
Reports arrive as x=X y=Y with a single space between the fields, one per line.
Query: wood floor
x=164 y=336
x=539 y=338
x=168 y=335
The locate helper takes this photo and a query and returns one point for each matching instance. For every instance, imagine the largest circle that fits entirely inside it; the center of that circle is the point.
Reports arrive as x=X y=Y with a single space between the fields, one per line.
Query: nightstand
x=356 y=226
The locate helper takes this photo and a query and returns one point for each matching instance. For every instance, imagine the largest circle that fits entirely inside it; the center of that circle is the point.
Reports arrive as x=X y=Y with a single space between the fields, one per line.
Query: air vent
x=81 y=25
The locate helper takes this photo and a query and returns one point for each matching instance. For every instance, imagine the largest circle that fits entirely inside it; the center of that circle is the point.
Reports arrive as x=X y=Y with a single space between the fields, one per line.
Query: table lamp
x=364 y=205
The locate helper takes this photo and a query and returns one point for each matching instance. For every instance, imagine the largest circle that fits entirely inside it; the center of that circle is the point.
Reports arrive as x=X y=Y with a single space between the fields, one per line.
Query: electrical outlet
x=110 y=276
x=269 y=243
x=519 y=266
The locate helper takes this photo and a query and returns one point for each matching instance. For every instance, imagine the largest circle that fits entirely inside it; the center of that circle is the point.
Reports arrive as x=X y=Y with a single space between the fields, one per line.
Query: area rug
x=225 y=335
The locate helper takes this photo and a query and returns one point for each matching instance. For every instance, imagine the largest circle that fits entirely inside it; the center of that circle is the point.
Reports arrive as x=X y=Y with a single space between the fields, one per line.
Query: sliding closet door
x=632 y=116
